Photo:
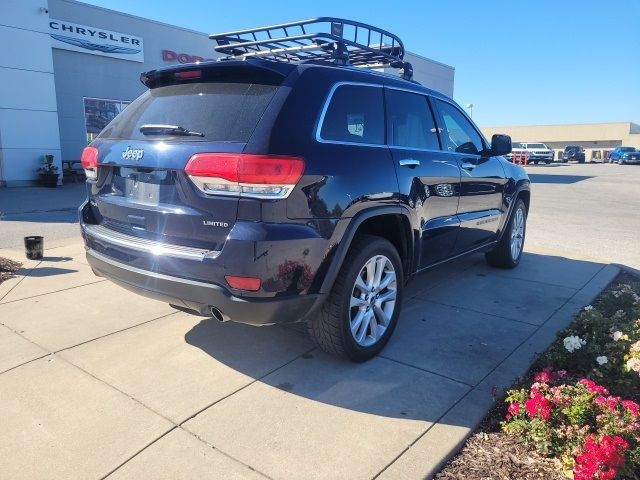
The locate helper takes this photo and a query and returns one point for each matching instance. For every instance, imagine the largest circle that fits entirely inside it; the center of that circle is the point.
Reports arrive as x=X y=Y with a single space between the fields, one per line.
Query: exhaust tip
x=218 y=315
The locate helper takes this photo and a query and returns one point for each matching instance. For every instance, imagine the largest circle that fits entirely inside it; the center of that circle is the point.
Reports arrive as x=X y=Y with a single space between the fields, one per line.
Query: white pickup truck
x=538 y=152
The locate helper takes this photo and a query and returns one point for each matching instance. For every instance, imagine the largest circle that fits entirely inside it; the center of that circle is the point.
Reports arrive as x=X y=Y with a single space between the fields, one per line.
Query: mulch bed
x=495 y=455
x=8 y=268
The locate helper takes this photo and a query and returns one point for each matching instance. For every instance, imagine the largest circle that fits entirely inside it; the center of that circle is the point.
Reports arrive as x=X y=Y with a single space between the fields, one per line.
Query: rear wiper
x=159 y=129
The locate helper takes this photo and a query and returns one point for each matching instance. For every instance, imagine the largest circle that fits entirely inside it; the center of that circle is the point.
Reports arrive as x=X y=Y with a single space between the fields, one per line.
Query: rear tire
x=508 y=251
x=351 y=322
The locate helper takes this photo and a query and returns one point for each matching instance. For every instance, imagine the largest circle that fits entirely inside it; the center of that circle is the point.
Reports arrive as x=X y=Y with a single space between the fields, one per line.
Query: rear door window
x=410 y=122
x=460 y=135
x=222 y=112
x=355 y=115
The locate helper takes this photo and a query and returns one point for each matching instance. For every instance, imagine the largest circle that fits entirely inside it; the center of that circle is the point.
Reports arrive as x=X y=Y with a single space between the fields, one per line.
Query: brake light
x=243 y=283
x=89 y=161
x=245 y=175
x=188 y=74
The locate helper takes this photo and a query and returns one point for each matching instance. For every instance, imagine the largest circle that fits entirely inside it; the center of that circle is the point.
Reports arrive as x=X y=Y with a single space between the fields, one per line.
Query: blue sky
x=518 y=62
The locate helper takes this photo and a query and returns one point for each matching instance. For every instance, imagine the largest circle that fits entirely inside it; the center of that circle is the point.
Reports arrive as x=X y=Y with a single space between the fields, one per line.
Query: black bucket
x=34 y=247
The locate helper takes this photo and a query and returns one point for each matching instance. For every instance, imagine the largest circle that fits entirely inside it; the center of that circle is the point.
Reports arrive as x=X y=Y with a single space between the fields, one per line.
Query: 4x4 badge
x=132 y=154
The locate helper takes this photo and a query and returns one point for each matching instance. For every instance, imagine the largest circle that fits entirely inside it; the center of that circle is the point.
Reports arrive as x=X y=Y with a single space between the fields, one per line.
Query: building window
x=98 y=112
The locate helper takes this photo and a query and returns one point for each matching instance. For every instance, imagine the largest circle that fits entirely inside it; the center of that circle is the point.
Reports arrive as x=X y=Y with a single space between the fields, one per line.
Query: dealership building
x=597 y=139
x=67 y=68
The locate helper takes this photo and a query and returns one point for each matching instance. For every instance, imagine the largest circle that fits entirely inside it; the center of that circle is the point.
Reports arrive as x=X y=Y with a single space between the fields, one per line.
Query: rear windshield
x=222 y=112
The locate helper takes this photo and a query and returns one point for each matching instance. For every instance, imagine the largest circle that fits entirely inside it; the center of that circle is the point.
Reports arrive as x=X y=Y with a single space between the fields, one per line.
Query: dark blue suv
x=274 y=187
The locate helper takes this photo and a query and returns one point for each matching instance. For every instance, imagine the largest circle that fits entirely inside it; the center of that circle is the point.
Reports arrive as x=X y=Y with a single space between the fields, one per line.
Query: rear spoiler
x=269 y=71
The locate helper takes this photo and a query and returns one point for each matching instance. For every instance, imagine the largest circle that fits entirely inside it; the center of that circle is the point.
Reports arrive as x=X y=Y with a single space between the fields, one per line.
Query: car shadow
x=441 y=350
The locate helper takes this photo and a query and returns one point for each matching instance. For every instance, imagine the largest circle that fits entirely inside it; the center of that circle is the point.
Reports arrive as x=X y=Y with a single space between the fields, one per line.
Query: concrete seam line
x=138 y=452
x=483 y=313
x=245 y=386
x=20 y=281
x=54 y=352
x=115 y=332
x=399 y=362
x=24 y=363
x=49 y=293
x=131 y=397
x=412 y=443
x=180 y=424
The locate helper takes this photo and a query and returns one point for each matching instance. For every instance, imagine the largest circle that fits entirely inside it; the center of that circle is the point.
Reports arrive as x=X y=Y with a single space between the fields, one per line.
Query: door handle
x=468 y=166
x=409 y=162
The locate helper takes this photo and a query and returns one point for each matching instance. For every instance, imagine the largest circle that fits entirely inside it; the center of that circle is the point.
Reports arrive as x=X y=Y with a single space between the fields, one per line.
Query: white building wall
x=28 y=109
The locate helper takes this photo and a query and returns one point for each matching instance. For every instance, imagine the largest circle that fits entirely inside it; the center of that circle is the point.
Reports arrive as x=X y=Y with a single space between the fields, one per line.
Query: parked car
x=536 y=152
x=573 y=153
x=616 y=154
x=267 y=191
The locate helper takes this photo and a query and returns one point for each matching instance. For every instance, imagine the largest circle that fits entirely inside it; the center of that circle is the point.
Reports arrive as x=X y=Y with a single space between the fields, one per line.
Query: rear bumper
x=201 y=296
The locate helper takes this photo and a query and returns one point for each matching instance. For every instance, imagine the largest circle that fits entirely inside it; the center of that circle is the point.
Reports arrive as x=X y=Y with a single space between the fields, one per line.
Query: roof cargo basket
x=344 y=42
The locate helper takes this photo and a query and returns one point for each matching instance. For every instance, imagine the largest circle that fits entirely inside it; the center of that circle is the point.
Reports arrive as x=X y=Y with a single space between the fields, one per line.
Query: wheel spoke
x=388 y=278
x=373 y=326
x=381 y=316
x=386 y=297
x=364 y=326
x=371 y=267
x=379 y=270
x=357 y=302
x=361 y=285
x=357 y=322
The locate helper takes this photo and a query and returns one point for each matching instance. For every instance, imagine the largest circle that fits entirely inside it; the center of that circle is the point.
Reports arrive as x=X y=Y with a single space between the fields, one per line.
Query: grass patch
x=575 y=412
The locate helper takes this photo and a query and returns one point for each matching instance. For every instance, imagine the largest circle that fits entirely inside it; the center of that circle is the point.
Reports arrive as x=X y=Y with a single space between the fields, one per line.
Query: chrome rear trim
x=113 y=237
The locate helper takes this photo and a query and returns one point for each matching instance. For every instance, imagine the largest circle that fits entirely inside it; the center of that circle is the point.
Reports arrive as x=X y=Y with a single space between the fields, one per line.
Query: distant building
x=68 y=68
x=598 y=139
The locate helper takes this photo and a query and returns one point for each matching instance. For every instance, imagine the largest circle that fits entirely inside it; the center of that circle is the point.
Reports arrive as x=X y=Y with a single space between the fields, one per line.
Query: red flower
x=600 y=460
x=514 y=408
x=593 y=387
x=538 y=405
x=632 y=406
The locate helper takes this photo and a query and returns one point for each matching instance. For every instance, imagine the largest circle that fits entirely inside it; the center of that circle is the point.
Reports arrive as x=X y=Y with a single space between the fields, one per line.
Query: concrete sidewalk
x=97 y=382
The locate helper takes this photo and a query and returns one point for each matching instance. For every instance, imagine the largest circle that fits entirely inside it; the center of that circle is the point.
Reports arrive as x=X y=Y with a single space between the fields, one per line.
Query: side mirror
x=500 y=144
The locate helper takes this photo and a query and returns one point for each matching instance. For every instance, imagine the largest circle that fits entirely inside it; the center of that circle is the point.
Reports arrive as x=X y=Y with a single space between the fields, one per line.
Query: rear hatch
x=141 y=187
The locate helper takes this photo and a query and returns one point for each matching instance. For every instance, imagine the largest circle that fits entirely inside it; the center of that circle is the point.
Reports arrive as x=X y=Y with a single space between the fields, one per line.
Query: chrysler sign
x=96 y=41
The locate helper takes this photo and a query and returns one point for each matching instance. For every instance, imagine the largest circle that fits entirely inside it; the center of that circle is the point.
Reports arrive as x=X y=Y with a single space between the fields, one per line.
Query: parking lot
x=96 y=382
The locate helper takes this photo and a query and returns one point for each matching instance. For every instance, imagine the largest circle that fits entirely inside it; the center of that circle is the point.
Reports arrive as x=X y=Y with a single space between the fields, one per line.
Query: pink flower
x=514 y=408
x=632 y=406
x=545 y=376
x=593 y=387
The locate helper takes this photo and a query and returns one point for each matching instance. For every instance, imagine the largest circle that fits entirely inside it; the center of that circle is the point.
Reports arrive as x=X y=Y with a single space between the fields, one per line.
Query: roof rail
x=345 y=42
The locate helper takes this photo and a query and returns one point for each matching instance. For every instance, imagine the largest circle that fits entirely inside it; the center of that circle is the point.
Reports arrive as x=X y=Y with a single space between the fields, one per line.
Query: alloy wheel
x=517 y=234
x=373 y=301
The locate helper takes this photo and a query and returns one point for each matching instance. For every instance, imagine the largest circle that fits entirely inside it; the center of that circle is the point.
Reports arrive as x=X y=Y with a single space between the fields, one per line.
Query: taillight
x=245 y=175
x=89 y=162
